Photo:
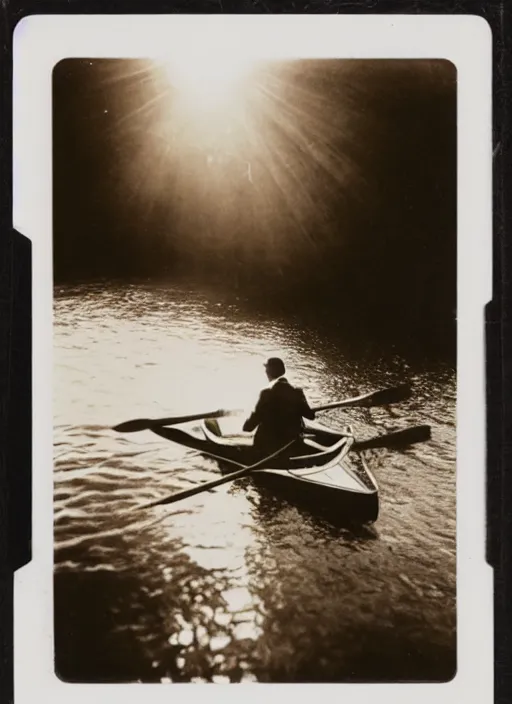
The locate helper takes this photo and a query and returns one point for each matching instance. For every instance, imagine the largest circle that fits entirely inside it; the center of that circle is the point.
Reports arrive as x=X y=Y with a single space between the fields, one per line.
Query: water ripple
x=236 y=585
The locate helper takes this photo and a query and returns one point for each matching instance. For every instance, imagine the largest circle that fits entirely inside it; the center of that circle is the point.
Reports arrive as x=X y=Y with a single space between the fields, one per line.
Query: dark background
x=363 y=234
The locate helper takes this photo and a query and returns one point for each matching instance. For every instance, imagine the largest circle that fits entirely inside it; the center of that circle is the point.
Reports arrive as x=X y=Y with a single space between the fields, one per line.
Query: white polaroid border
x=40 y=42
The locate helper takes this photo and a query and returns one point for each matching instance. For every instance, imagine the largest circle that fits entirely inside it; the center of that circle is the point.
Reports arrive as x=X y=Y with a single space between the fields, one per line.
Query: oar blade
x=133 y=426
x=397 y=439
x=388 y=396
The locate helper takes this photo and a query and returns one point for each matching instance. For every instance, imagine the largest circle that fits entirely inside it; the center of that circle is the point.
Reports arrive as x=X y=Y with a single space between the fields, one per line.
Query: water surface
x=237 y=585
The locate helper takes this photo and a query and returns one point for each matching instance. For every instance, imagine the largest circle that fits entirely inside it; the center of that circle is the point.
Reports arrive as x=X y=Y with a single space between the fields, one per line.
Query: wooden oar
x=375 y=398
x=134 y=426
x=207 y=486
x=398 y=438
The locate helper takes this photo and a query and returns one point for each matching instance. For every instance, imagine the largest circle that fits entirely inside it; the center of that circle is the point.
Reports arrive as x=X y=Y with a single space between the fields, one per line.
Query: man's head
x=274 y=368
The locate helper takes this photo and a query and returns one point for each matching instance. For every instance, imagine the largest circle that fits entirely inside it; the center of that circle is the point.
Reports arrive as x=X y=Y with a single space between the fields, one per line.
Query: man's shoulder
x=284 y=388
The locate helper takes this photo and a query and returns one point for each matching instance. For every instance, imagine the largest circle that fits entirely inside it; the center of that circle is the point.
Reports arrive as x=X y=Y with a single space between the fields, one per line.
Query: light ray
x=214 y=126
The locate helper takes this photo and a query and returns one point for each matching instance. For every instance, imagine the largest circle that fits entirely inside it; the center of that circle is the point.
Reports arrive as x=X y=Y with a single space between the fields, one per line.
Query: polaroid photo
x=261 y=256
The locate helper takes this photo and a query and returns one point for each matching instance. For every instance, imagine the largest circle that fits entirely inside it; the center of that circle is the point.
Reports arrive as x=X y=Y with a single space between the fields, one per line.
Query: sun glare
x=208 y=81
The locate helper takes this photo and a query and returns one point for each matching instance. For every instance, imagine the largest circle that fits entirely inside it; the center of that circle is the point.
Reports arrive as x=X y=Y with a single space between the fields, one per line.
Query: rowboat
x=323 y=470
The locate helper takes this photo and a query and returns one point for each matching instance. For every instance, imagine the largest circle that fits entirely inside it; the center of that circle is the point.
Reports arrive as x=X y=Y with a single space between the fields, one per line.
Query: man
x=279 y=413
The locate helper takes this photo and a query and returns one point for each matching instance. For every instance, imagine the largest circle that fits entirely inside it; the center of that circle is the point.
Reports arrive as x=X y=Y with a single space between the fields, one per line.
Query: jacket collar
x=274 y=381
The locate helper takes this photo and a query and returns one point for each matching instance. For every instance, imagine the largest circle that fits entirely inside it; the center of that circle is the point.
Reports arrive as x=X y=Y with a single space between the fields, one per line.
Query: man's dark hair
x=275 y=366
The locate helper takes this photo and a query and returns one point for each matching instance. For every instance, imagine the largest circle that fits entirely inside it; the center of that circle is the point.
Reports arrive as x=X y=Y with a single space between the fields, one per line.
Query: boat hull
x=336 y=506
x=326 y=478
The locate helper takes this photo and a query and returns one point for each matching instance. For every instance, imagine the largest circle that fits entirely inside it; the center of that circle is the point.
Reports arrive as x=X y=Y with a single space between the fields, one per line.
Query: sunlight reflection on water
x=235 y=585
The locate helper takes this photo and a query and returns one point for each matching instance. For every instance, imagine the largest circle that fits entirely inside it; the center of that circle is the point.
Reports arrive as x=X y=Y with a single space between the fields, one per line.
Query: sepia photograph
x=254 y=369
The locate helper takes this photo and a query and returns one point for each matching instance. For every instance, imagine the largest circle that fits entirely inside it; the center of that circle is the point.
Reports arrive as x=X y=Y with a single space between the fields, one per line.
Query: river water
x=237 y=585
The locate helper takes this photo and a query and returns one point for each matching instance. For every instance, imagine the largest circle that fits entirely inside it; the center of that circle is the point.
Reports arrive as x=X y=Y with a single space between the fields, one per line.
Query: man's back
x=278 y=415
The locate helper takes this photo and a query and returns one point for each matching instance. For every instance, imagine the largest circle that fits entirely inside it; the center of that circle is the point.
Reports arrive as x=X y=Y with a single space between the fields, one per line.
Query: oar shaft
x=138 y=424
x=384 y=397
x=186 y=493
x=176 y=420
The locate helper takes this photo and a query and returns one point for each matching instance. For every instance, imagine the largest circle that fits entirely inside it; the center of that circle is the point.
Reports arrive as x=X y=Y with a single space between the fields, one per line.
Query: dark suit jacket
x=278 y=415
